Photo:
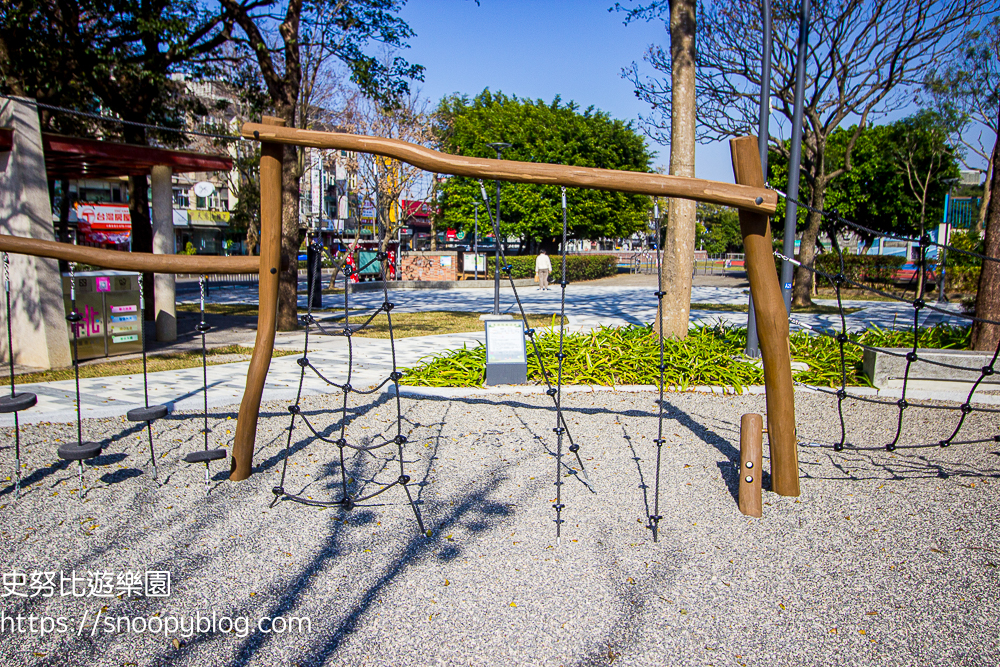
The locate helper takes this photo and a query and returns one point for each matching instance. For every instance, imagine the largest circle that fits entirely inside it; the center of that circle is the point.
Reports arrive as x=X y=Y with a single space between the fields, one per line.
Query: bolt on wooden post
x=751 y=454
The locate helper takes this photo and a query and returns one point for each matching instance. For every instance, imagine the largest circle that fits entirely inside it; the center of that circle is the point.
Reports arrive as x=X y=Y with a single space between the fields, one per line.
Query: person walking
x=543 y=267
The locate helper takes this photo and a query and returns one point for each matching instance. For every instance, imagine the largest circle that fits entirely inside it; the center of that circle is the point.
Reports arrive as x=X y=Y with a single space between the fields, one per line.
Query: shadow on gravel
x=121 y=475
x=642 y=479
x=475 y=509
x=896 y=467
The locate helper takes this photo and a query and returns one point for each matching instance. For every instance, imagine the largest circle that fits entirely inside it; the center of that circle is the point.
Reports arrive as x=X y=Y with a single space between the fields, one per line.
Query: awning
x=75 y=157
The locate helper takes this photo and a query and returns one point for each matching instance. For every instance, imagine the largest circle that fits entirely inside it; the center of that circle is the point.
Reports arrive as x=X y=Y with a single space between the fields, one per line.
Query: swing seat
x=205 y=456
x=17 y=402
x=73 y=452
x=152 y=413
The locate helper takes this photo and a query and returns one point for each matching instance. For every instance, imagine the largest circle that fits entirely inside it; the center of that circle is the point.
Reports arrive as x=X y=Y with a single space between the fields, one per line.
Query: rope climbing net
x=348 y=329
x=840 y=280
x=347 y=501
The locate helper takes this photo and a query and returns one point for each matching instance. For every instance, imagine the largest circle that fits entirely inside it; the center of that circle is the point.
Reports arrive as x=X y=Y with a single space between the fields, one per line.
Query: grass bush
x=710 y=355
x=578 y=267
x=871 y=270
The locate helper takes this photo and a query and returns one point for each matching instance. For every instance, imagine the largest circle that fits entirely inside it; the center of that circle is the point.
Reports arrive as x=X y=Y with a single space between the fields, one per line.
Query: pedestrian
x=542 y=268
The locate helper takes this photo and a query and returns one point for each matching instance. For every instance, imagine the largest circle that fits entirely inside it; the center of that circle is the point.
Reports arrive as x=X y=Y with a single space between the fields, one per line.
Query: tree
x=719 y=229
x=319 y=32
x=877 y=192
x=384 y=181
x=923 y=156
x=676 y=269
x=863 y=60
x=987 y=336
x=971 y=88
x=86 y=54
x=555 y=133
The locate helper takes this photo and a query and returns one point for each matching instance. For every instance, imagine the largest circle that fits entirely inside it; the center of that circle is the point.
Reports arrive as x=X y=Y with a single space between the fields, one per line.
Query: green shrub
x=710 y=355
x=578 y=267
x=864 y=269
x=963 y=278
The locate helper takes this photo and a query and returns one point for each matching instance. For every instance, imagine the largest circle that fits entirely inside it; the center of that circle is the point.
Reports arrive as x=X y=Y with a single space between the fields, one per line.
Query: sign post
x=506 y=356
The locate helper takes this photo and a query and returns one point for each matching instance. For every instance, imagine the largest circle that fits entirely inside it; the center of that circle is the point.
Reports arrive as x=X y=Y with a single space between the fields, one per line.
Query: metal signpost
x=506 y=356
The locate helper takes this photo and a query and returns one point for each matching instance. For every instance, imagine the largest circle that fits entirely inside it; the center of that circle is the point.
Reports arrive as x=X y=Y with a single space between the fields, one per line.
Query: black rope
x=119 y=121
x=75 y=318
x=655 y=517
x=17 y=402
x=918 y=304
x=551 y=391
x=145 y=378
x=559 y=430
x=835 y=215
x=346 y=500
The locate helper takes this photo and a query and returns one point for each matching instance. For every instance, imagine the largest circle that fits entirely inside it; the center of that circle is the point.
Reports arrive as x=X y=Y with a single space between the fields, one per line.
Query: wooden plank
x=772 y=325
x=128 y=261
x=754 y=198
x=267 y=311
x=751 y=455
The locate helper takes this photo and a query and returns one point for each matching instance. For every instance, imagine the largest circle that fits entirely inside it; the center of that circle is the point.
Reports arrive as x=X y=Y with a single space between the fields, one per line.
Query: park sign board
x=506 y=356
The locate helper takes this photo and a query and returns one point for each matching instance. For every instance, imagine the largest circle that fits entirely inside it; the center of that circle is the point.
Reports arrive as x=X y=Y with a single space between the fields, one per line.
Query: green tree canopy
x=876 y=192
x=555 y=133
x=719 y=229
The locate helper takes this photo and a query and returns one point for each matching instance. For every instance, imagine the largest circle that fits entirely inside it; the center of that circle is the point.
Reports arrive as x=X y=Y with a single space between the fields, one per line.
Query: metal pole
x=475 y=244
x=753 y=347
x=796 y=157
x=942 y=251
x=498 y=146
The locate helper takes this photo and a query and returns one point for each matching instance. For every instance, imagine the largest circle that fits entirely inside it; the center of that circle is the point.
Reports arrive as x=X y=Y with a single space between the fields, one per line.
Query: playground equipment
x=207 y=455
x=81 y=451
x=748 y=194
x=15 y=402
x=148 y=413
x=347 y=501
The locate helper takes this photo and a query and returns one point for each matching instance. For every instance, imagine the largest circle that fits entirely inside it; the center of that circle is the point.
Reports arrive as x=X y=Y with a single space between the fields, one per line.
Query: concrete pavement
x=587 y=306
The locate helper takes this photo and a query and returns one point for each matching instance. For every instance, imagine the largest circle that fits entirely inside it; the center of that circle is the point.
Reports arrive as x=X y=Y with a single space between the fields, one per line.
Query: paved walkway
x=587 y=306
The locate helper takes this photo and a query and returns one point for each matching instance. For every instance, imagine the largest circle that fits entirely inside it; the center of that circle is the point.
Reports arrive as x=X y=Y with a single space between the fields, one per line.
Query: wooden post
x=270 y=261
x=772 y=325
x=751 y=435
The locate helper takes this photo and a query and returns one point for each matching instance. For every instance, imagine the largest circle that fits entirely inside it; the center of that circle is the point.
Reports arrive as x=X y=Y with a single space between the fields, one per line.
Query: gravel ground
x=884 y=559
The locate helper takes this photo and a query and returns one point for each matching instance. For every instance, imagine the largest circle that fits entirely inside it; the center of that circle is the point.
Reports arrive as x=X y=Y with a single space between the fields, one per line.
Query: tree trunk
x=678 y=247
x=986 y=336
x=289 y=275
x=142 y=233
x=987 y=191
x=802 y=289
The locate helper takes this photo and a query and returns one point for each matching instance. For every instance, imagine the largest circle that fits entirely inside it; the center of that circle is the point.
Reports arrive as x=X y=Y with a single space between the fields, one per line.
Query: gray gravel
x=884 y=559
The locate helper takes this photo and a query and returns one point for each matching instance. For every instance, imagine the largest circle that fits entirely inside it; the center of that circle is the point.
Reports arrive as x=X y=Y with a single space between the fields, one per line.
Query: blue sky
x=543 y=48
x=540 y=49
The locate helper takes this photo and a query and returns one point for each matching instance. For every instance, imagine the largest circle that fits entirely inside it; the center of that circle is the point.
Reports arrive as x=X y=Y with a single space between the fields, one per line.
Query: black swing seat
x=205 y=456
x=17 y=402
x=152 y=413
x=74 y=452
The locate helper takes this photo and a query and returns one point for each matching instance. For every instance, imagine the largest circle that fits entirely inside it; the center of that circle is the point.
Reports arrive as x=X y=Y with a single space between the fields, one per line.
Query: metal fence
x=707 y=265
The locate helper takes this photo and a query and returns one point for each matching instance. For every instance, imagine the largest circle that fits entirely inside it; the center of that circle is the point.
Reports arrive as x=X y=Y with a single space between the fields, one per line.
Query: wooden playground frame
x=749 y=195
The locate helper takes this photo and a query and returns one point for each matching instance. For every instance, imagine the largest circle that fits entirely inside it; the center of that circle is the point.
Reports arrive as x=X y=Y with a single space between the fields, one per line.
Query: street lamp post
x=475 y=244
x=498 y=146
